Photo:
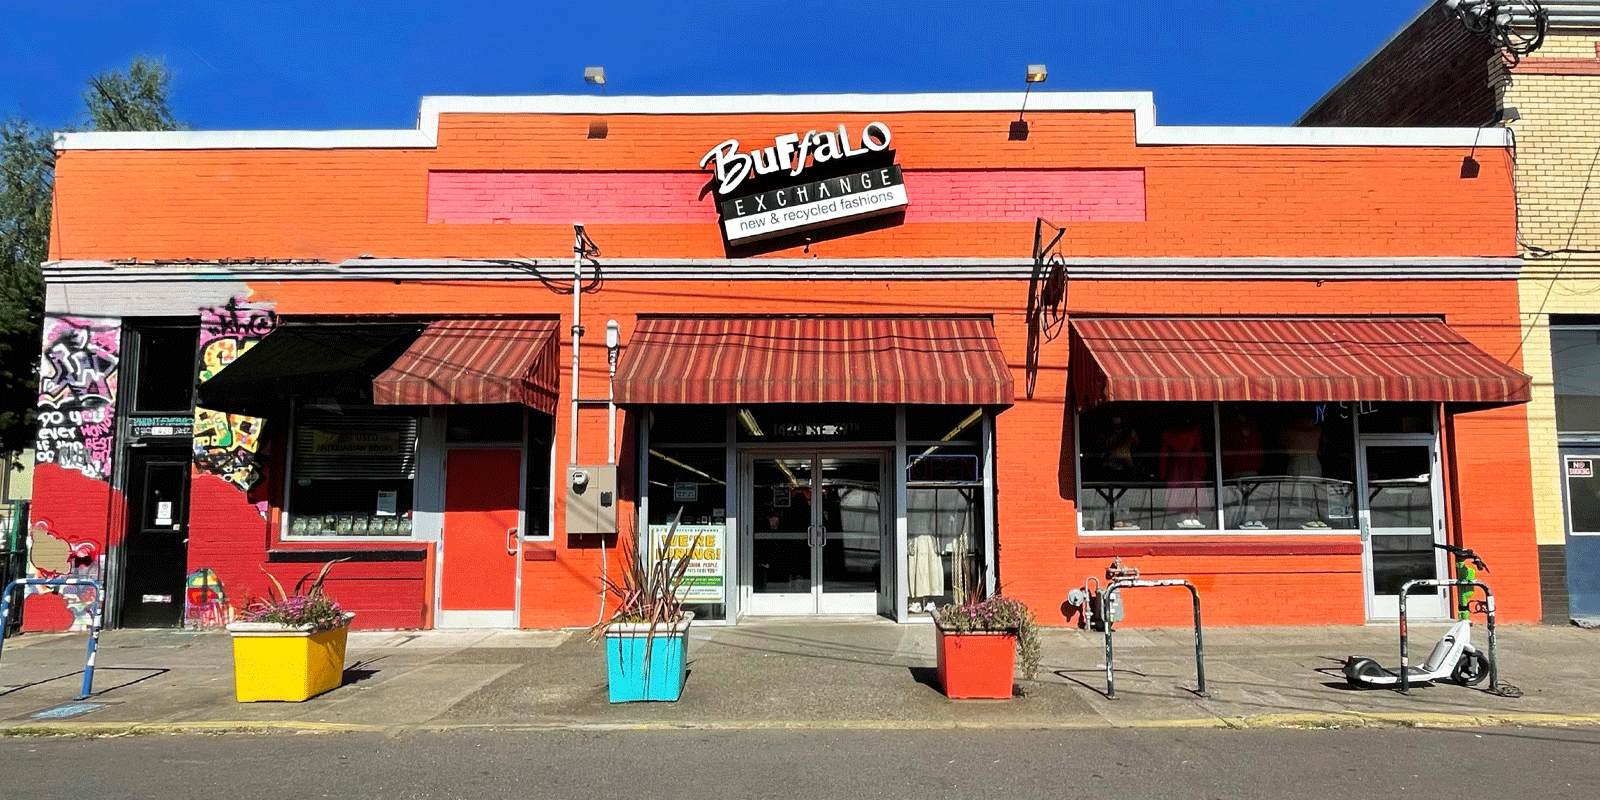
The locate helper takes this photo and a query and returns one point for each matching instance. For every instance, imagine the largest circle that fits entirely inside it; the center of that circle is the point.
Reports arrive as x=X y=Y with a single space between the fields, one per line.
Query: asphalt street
x=1545 y=763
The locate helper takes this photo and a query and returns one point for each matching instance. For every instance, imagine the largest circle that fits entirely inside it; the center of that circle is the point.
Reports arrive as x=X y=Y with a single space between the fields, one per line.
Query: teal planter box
x=640 y=666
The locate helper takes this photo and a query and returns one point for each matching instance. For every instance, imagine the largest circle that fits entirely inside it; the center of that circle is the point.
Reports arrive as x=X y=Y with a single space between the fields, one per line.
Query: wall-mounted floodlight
x=1018 y=132
x=1507 y=114
x=595 y=75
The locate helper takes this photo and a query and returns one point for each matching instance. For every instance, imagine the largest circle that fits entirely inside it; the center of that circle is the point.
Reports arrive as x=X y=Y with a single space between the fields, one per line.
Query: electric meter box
x=591 y=499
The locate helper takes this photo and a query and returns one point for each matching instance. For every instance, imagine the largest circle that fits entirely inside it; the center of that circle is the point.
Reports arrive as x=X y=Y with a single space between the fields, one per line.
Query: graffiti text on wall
x=77 y=392
x=225 y=445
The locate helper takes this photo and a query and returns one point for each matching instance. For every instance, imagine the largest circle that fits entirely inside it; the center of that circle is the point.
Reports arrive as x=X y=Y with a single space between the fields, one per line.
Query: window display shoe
x=1124 y=526
x=1253 y=525
x=1191 y=522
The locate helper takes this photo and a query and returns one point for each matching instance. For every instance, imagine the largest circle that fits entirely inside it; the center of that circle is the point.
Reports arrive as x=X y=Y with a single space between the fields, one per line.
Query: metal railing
x=1106 y=600
x=94 y=625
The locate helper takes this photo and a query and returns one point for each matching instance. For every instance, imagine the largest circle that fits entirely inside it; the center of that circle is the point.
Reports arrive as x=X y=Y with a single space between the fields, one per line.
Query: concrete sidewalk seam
x=1262 y=722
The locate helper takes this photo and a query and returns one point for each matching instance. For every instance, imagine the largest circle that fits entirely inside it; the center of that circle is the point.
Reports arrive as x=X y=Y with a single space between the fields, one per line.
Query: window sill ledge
x=1111 y=548
x=300 y=551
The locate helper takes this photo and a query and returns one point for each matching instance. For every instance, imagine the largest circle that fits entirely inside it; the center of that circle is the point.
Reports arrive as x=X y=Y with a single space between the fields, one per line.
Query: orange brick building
x=876 y=351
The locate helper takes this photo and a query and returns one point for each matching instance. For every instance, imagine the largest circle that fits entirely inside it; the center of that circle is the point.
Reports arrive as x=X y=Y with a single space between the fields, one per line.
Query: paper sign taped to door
x=1580 y=468
x=164 y=512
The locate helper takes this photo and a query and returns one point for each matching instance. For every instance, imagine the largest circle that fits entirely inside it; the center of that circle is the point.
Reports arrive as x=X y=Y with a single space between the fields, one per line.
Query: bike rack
x=1405 y=649
x=1105 y=605
x=94 y=627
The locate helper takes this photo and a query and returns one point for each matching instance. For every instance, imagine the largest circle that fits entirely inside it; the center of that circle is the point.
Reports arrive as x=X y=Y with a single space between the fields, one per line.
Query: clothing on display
x=1119 y=442
x=1182 y=464
x=1243 y=454
x=938 y=523
x=1303 y=443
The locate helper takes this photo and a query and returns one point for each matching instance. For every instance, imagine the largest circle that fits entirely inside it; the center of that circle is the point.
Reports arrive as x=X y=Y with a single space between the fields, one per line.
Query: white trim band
x=1142 y=104
x=1265 y=268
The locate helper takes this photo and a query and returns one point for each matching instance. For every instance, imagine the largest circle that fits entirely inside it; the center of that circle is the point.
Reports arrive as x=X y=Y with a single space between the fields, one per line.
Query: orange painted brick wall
x=1036 y=511
x=1202 y=201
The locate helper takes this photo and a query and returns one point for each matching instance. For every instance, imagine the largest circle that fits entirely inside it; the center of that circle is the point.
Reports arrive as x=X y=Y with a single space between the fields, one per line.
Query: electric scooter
x=1454 y=657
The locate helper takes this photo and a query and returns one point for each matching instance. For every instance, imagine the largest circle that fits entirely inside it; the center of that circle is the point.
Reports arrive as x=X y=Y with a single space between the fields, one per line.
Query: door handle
x=819 y=535
x=511 y=541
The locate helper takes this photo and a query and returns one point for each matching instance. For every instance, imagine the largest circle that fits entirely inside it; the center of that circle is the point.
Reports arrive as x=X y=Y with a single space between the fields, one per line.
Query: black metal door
x=155 y=552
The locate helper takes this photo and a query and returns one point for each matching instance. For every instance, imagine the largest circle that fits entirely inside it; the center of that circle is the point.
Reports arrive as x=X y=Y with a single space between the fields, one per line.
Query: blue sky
x=331 y=64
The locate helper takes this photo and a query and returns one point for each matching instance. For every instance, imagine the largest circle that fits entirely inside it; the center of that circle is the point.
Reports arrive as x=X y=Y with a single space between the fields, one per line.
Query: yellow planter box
x=277 y=662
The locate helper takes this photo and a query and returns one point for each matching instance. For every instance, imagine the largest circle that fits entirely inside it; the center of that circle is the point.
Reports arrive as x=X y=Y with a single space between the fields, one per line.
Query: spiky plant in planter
x=646 y=633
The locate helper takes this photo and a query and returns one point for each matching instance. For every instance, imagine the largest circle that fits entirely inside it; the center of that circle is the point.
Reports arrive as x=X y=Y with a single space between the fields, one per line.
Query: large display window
x=352 y=472
x=1244 y=467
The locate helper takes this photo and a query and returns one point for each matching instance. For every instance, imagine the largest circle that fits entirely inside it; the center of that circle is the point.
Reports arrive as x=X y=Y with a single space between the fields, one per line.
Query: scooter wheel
x=1358 y=671
x=1471 y=670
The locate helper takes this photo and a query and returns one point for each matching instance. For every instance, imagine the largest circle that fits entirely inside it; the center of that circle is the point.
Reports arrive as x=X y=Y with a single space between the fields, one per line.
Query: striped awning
x=943 y=360
x=1284 y=359
x=476 y=361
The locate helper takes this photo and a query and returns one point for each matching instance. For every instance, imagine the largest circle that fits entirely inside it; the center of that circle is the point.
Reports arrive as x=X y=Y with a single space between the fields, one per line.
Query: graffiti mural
x=225 y=445
x=205 y=604
x=53 y=555
x=77 y=392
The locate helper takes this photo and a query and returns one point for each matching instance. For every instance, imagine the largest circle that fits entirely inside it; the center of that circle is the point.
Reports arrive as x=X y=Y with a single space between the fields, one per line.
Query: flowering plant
x=996 y=614
x=309 y=607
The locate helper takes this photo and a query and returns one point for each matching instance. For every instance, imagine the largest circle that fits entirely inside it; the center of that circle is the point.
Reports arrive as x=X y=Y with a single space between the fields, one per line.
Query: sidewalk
x=790 y=674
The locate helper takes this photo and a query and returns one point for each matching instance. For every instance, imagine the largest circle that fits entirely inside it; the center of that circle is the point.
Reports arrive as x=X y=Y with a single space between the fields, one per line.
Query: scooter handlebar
x=1463 y=554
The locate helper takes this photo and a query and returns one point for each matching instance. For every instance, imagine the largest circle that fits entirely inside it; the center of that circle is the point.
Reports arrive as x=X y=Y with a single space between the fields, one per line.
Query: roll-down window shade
x=351 y=446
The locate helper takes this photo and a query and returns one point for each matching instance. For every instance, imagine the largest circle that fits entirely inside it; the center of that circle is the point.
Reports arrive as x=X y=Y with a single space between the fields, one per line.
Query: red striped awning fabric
x=943 y=360
x=477 y=361
x=1284 y=359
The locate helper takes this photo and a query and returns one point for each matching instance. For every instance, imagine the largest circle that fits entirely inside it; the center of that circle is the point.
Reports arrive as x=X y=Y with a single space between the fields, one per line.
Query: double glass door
x=815 y=533
x=1400 y=523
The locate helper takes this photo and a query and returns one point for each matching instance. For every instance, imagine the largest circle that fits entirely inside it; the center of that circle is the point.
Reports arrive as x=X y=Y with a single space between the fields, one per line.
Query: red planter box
x=976 y=665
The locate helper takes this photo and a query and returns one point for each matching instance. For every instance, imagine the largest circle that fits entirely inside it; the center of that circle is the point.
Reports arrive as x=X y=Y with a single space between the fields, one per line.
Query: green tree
x=133 y=100
x=27 y=169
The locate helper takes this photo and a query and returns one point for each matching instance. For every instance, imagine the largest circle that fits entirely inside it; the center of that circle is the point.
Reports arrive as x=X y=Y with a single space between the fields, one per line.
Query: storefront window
x=1575 y=355
x=693 y=480
x=1148 y=466
x=944 y=525
x=352 y=473
x=1287 y=466
x=944 y=423
x=1283 y=466
x=688 y=424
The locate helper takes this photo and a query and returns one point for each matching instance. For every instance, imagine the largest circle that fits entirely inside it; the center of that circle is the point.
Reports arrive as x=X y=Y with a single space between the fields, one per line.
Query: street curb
x=1295 y=721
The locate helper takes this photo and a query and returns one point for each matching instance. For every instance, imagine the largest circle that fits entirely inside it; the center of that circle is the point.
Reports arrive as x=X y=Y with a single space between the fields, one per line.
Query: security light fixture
x=1018 y=132
x=594 y=75
x=1507 y=114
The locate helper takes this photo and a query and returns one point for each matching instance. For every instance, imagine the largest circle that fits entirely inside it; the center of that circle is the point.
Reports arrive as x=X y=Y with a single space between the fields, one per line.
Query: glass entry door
x=815 y=533
x=1400 y=523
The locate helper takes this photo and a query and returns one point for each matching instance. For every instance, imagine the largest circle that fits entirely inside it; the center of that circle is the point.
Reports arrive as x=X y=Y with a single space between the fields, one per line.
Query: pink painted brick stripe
x=549 y=197
x=1059 y=195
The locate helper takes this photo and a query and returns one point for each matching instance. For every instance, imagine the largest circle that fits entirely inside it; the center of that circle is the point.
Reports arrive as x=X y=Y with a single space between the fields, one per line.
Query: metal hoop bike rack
x=1405 y=646
x=1119 y=584
x=94 y=626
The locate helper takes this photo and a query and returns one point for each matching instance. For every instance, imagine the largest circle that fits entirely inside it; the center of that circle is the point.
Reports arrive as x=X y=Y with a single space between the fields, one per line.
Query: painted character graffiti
x=77 y=392
x=54 y=555
x=205 y=604
x=226 y=445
